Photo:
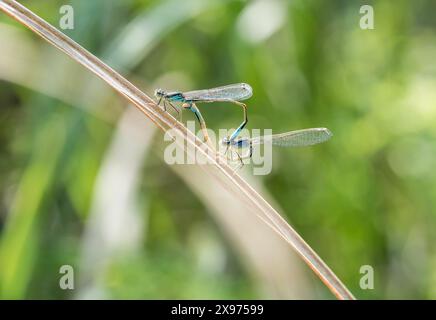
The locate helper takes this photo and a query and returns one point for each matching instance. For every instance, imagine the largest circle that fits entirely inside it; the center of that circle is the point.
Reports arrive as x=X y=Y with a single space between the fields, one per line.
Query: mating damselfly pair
x=235 y=93
x=232 y=93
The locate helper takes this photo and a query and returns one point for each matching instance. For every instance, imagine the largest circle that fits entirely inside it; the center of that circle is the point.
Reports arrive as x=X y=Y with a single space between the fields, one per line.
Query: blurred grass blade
x=219 y=169
x=20 y=237
x=114 y=214
x=126 y=50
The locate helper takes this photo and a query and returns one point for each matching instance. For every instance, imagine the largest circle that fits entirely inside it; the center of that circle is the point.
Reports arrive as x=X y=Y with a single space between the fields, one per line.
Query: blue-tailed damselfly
x=233 y=93
x=297 y=138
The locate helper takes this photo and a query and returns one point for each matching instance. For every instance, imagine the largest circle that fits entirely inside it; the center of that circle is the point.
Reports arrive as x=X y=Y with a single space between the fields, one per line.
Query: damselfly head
x=225 y=141
x=159 y=93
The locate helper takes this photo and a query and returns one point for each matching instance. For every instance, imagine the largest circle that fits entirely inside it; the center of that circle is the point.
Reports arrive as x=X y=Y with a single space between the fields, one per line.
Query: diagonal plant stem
x=193 y=146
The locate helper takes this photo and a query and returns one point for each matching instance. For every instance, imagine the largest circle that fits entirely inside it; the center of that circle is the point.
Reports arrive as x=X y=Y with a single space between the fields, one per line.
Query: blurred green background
x=83 y=182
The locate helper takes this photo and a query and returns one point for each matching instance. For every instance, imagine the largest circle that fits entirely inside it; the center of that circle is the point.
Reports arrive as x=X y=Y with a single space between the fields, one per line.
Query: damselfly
x=233 y=93
x=297 y=138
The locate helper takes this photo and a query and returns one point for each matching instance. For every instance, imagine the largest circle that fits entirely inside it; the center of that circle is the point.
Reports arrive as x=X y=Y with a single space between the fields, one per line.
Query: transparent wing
x=297 y=138
x=238 y=92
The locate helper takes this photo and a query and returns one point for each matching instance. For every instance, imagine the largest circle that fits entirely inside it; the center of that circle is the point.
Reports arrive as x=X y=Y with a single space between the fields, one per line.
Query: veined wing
x=297 y=138
x=237 y=91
